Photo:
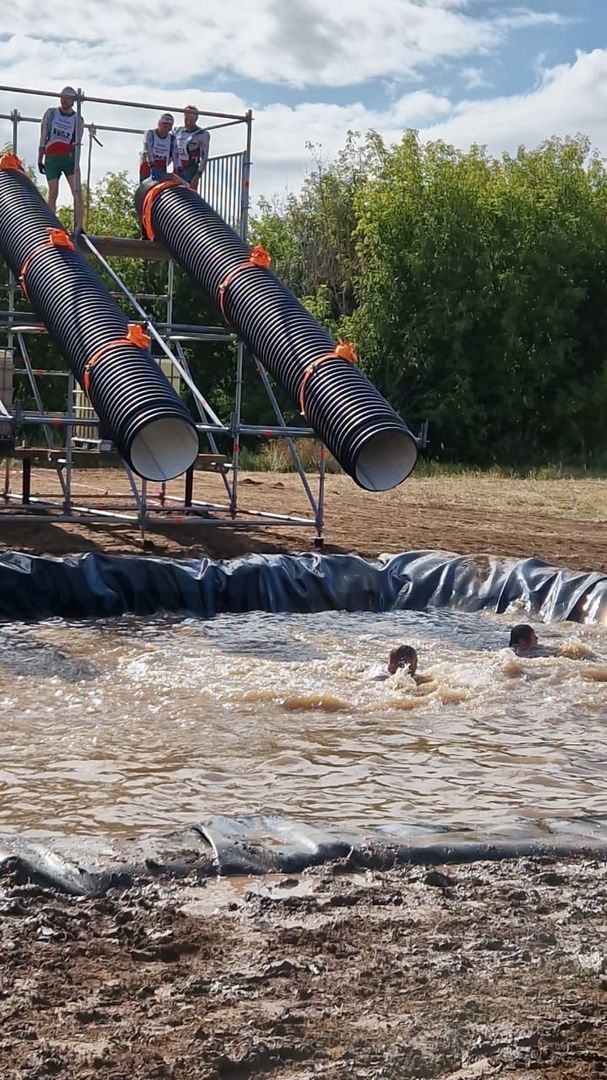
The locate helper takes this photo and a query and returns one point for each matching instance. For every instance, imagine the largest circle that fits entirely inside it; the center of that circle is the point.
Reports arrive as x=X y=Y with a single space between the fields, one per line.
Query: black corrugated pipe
x=149 y=424
x=359 y=426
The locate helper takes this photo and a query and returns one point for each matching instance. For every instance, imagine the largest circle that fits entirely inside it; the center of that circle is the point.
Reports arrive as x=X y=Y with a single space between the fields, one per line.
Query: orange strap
x=11 y=161
x=343 y=351
x=258 y=257
x=148 y=204
x=56 y=238
x=135 y=336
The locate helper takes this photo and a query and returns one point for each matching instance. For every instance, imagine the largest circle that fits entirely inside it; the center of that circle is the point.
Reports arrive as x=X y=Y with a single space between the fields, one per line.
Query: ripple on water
x=135 y=723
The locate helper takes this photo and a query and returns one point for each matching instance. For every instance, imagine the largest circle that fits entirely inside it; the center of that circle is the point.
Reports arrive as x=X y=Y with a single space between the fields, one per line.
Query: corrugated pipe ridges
x=149 y=424
x=360 y=428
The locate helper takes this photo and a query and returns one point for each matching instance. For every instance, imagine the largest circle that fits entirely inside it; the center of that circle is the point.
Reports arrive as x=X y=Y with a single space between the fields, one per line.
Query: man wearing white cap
x=158 y=150
x=192 y=146
x=60 y=132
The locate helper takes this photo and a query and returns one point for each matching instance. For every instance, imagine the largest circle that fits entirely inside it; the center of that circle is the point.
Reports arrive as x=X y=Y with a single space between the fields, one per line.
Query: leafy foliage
x=482 y=296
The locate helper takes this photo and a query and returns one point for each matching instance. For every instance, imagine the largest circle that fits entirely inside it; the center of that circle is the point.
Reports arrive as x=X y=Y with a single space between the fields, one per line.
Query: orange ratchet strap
x=11 y=161
x=343 y=351
x=135 y=336
x=148 y=204
x=56 y=238
x=258 y=257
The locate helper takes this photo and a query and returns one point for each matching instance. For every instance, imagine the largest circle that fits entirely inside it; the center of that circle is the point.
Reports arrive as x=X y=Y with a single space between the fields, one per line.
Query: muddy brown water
x=133 y=724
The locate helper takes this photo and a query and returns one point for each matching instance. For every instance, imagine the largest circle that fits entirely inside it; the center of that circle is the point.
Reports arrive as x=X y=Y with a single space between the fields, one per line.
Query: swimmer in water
x=523 y=639
x=403 y=658
x=524 y=642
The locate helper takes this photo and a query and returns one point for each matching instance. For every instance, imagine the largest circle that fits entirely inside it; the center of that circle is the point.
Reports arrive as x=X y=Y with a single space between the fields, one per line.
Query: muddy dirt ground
x=458 y=973
x=562 y=521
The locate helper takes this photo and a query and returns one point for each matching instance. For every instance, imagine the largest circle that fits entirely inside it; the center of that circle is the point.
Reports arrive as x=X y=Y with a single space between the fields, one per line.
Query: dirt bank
x=562 y=521
x=462 y=973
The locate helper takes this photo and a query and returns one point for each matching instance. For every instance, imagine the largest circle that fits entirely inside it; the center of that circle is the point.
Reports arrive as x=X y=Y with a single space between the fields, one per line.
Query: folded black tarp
x=98 y=586
x=89 y=866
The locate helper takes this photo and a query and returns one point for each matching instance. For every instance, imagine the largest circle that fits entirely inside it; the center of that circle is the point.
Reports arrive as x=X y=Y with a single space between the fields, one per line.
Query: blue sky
x=487 y=71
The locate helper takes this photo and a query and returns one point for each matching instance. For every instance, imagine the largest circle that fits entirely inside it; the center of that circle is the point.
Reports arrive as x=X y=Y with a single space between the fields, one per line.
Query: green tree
x=311 y=237
x=482 y=294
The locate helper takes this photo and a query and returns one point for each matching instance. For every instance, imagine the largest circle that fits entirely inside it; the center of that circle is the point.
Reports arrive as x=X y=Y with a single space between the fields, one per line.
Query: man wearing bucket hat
x=60 y=133
x=192 y=145
x=158 y=150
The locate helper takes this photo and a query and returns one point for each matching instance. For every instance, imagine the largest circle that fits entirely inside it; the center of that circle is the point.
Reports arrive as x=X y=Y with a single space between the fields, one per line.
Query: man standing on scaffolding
x=60 y=132
x=192 y=144
x=158 y=150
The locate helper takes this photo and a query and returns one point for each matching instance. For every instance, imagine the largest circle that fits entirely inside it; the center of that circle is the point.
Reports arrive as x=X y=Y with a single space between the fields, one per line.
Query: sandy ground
x=459 y=973
x=561 y=521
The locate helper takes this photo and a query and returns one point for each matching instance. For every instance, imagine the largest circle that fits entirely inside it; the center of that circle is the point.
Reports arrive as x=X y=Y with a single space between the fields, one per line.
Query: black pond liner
x=361 y=429
x=89 y=866
x=147 y=421
x=94 y=585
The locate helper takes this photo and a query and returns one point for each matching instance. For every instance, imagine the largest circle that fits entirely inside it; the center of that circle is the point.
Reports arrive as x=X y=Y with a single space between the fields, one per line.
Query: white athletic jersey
x=158 y=149
x=58 y=131
x=192 y=147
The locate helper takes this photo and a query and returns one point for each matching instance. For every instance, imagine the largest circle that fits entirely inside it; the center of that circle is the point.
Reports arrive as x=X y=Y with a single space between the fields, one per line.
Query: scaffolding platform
x=93 y=458
x=120 y=247
x=225 y=187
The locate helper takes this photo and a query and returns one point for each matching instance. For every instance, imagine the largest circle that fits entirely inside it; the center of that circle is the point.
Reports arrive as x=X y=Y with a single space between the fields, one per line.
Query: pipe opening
x=164 y=448
x=386 y=460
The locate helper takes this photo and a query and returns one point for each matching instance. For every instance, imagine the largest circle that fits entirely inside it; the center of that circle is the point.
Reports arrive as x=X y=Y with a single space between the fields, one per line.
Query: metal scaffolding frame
x=225 y=186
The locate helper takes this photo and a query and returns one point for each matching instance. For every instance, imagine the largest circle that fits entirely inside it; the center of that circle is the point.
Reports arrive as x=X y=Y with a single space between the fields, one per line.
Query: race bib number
x=161 y=150
x=62 y=129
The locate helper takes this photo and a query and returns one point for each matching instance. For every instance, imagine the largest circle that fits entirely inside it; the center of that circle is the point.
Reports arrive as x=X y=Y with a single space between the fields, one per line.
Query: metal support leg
x=143 y=511
x=189 y=486
x=236 y=422
x=69 y=447
x=26 y=481
x=320 y=507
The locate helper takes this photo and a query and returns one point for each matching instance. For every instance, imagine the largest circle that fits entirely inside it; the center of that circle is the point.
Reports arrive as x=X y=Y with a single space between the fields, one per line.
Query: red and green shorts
x=188 y=171
x=56 y=164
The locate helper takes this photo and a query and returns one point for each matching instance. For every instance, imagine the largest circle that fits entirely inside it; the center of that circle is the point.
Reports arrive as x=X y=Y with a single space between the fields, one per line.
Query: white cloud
x=298 y=43
x=413 y=109
x=564 y=100
x=473 y=78
x=522 y=17
x=570 y=98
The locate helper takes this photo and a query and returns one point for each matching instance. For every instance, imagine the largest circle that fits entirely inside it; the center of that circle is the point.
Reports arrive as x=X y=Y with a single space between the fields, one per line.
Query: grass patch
x=275 y=456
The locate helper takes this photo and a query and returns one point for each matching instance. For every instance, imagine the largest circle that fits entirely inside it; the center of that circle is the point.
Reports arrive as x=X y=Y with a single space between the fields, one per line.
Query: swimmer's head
x=405 y=657
x=522 y=636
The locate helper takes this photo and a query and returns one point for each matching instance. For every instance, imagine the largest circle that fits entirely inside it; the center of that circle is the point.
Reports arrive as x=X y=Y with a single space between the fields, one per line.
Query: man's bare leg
x=53 y=191
x=74 y=182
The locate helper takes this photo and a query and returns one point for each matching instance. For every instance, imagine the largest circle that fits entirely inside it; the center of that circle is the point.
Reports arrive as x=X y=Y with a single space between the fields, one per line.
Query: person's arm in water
x=421 y=679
